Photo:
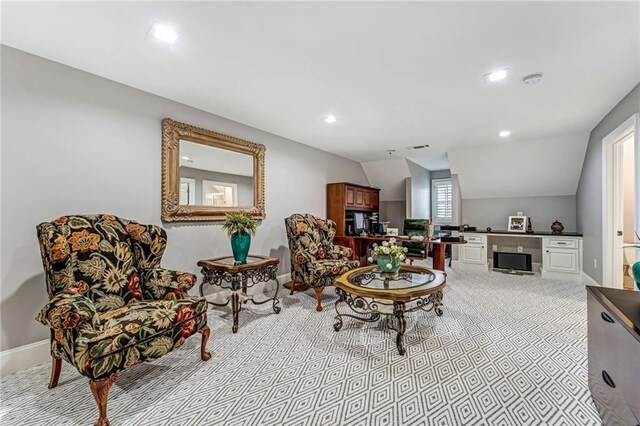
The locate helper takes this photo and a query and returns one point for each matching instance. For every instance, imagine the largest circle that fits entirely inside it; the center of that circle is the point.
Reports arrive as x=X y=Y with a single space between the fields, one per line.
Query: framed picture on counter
x=517 y=224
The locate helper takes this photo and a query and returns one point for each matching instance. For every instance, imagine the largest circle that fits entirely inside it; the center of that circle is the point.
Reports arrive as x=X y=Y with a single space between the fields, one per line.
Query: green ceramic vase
x=636 y=273
x=240 y=243
x=388 y=265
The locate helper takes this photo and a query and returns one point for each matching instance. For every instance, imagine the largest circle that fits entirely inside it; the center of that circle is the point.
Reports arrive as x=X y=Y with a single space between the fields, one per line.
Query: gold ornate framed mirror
x=206 y=175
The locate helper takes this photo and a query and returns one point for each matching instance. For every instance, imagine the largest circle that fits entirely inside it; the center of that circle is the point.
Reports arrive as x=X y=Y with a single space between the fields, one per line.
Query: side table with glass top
x=226 y=274
x=370 y=293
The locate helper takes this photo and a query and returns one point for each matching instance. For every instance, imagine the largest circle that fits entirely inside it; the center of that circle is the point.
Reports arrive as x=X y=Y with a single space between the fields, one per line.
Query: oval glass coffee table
x=370 y=294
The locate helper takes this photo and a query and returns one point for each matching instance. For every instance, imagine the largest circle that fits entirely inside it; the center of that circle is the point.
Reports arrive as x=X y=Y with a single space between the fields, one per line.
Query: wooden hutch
x=345 y=199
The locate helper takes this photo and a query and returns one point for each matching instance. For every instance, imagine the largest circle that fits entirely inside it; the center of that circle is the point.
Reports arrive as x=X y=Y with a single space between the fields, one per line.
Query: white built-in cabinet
x=475 y=251
x=561 y=255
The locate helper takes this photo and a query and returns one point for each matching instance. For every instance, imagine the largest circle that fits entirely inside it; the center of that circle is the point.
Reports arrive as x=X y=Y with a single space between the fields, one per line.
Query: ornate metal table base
x=239 y=282
x=370 y=310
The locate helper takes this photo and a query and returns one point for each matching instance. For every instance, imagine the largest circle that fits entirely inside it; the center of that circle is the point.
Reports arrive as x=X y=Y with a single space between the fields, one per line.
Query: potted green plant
x=635 y=269
x=240 y=226
x=389 y=256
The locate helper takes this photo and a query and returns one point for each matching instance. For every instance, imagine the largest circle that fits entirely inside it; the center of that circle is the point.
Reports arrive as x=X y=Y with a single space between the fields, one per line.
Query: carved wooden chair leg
x=100 y=390
x=318 y=291
x=204 y=354
x=293 y=286
x=56 y=365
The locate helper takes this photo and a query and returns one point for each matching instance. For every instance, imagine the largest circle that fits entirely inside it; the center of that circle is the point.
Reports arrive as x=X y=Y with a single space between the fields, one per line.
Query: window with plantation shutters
x=442 y=208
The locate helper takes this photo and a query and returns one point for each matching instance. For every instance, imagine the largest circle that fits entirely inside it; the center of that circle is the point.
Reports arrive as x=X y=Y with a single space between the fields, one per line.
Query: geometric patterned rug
x=509 y=350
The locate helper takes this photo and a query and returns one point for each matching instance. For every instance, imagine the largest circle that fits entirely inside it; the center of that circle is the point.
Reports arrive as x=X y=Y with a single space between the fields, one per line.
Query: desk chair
x=417 y=250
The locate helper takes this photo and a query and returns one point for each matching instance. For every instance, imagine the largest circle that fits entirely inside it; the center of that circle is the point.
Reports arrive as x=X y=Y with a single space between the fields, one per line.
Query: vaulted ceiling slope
x=395 y=74
x=390 y=176
x=540 y=167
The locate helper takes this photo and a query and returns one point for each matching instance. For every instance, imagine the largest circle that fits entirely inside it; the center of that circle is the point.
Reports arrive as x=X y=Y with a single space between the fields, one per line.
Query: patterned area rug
x=508 y=350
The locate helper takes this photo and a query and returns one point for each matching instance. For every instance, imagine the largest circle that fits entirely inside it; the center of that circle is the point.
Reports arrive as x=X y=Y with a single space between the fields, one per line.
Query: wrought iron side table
x=370 y=293
x=223 y=272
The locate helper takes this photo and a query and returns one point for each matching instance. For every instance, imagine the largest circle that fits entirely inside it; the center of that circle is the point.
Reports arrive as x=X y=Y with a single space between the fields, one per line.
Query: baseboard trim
x=588 y=280
x=284 y=278
x=24 y=357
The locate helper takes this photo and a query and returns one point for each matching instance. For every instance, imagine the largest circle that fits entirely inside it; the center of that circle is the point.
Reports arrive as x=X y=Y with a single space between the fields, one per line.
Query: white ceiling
x=543 y=167
x=394 y=74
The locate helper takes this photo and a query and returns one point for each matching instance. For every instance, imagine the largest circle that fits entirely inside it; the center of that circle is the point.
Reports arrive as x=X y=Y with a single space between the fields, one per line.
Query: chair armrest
x=69 y=309
x=160 y=283
x=302 y=257
x=337 y=252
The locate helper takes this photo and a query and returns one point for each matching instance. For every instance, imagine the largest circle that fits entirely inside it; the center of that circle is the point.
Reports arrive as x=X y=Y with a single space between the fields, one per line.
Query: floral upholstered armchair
x=315 y=260
x=111 y=305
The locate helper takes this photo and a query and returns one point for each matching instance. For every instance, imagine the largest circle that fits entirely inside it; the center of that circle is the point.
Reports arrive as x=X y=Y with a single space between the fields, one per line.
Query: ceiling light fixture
x=504 y=133
x=330 y=119
x=164 y=33
x=390 y=152
x=497 y=75
x=532 y=78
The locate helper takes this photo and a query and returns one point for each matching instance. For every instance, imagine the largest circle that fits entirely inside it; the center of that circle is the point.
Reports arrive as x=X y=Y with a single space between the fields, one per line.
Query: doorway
x=621 y=194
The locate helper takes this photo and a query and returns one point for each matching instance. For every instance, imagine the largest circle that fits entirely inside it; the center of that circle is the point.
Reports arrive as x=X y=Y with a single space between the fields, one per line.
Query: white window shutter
x=442 y=201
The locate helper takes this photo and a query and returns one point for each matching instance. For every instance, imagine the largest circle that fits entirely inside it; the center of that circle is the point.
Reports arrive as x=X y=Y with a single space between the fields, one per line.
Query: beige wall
x=73 y=142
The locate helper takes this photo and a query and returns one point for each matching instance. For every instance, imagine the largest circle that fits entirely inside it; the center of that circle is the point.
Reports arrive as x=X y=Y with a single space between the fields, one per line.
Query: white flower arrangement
x=389 y=249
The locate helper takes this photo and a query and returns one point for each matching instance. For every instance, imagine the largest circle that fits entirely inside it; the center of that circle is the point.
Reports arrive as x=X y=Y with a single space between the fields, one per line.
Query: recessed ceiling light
x=330 y=119
x=497 y=75
x=504 y=133
x=164 y=33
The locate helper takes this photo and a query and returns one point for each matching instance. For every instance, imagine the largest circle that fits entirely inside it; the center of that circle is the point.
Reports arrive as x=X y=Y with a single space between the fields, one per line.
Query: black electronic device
x=512 y=261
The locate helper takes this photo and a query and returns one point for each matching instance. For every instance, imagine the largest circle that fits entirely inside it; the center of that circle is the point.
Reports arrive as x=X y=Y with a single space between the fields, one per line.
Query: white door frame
x=612 y=195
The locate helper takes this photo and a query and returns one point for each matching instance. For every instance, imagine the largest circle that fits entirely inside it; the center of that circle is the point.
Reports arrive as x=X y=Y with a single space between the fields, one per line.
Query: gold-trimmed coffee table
x=370 y=293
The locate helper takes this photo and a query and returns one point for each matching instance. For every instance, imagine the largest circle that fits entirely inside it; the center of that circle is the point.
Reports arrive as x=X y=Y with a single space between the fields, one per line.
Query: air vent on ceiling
x=532 y=79
x=414 y=148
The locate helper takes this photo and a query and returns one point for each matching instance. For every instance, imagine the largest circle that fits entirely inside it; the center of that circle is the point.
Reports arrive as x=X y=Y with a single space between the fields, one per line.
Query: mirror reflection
x=212 y=176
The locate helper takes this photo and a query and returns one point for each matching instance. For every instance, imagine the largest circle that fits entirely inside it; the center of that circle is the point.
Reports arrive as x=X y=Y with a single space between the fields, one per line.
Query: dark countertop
x=545 y=233
x=626 y=302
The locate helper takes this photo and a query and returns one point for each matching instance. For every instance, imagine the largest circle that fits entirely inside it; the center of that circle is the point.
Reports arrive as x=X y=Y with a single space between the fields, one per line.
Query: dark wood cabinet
x=350 y=197
x=613 y=322
x=375 y=199
x=345 y=198
x=359 y=197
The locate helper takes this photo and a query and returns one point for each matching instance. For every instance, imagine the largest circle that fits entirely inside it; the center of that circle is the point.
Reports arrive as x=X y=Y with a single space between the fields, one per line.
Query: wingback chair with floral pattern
x=315 y=260
x=111 y=305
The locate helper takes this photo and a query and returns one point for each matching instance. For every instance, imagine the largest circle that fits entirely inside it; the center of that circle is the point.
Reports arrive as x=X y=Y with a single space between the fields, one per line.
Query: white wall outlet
x=520 y=249
x=494 y=247
x=595 y=263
